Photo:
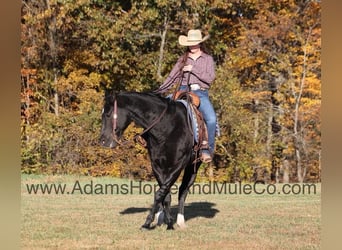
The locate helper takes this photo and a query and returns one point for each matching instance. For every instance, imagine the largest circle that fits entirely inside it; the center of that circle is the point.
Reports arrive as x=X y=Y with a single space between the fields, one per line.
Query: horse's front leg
x=167 y=206
x=189 y=177
x=159 y=198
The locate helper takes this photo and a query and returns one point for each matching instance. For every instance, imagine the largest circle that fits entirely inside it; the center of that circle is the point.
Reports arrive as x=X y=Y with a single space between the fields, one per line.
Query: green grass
x=215 y=221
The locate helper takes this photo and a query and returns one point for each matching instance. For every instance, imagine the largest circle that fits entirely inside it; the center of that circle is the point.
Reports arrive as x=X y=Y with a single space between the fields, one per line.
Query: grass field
x=88 y=216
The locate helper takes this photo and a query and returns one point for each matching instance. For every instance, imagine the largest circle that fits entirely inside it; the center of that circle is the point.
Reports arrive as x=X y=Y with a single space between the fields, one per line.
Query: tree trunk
x=256 y=123
x=269 y=132
x=269 y=151
x=56 y=100
x=161 y=51
x=53 y=51
x=286 y=171
x=301 y=170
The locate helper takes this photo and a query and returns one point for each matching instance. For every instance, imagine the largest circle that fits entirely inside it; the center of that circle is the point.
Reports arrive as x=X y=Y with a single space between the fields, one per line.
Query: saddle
x=184 y=95
x=202 y=133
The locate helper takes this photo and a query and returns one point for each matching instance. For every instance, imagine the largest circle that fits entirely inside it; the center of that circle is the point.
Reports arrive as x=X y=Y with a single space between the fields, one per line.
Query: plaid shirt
x=202 y=73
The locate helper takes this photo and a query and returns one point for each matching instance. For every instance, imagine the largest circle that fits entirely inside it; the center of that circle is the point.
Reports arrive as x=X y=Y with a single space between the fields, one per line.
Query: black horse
x=169 y=142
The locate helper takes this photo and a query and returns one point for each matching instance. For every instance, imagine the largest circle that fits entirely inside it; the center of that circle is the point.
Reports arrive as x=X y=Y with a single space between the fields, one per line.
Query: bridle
x=115 y=122
x=138 y=136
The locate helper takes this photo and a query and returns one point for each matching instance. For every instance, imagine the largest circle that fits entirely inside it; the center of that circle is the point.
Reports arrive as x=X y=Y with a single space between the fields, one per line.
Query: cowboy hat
x=194 y=37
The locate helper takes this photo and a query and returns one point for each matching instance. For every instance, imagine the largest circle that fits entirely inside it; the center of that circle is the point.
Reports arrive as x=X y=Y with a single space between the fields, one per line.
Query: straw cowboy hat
x=194 y=37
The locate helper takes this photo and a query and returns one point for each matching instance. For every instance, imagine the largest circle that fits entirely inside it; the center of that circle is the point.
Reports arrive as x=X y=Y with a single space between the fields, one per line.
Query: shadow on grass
x=134 y=210
x=198 y=209
x=192 y=210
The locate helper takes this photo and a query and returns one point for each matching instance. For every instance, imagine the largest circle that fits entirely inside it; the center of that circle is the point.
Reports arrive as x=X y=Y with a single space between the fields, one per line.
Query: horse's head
x=114 y=121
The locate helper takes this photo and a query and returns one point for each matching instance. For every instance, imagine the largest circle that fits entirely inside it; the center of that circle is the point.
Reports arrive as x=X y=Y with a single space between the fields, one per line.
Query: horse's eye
x=105 y=112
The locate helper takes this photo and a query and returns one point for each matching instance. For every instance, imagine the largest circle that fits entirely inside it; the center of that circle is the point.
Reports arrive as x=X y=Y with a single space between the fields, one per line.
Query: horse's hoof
x=181 y=221
x=144 y=228
x=170 y=227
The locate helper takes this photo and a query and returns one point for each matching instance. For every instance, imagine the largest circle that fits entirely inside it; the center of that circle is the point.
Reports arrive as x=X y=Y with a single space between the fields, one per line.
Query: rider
x=195 y=69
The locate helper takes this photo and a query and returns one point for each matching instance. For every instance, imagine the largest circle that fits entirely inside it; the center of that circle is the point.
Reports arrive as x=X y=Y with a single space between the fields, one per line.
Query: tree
x=266 y=94
x=269 y=41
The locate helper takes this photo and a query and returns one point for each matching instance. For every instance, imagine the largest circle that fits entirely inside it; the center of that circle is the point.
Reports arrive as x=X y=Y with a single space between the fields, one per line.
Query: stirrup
x=205 y=145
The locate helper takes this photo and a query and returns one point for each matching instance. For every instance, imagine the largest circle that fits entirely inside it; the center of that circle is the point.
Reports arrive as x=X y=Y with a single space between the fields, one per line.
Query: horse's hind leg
x=189 y=177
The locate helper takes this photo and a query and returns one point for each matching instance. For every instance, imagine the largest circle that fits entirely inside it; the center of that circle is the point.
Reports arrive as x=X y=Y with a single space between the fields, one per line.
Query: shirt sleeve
x=175 y=73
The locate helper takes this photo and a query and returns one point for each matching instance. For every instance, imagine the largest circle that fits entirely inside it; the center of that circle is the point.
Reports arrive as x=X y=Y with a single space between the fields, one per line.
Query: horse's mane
x=153 y=97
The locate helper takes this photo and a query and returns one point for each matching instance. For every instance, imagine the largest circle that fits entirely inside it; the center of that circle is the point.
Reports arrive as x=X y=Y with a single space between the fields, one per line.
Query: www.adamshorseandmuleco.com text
x=145 y=188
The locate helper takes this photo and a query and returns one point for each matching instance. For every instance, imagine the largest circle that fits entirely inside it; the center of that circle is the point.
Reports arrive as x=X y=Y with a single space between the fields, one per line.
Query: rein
x=115 y=122
x=138 y=136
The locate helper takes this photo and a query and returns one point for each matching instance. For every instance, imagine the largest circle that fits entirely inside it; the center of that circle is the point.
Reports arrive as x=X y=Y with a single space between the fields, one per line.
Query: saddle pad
x=193 y=119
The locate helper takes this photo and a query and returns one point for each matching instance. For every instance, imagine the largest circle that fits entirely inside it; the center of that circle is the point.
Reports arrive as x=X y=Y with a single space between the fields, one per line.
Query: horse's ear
x=108 y=92
x=110 y=96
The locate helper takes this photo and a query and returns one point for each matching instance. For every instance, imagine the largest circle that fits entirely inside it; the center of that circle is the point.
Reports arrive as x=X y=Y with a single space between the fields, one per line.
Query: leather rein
x=138 y=136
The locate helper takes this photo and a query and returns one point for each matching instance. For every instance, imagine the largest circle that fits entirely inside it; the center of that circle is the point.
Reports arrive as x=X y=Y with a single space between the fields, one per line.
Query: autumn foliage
x=267 y=92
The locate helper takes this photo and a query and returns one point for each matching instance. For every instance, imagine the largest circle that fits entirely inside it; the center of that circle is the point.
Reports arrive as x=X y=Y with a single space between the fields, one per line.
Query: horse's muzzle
x=107 y=143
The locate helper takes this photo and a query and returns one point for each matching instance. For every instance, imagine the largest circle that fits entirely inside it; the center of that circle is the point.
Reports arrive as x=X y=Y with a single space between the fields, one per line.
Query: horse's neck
x=143 y=110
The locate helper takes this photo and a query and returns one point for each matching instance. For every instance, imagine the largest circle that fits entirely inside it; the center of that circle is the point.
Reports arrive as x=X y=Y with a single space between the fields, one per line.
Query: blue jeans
x=209 y=115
